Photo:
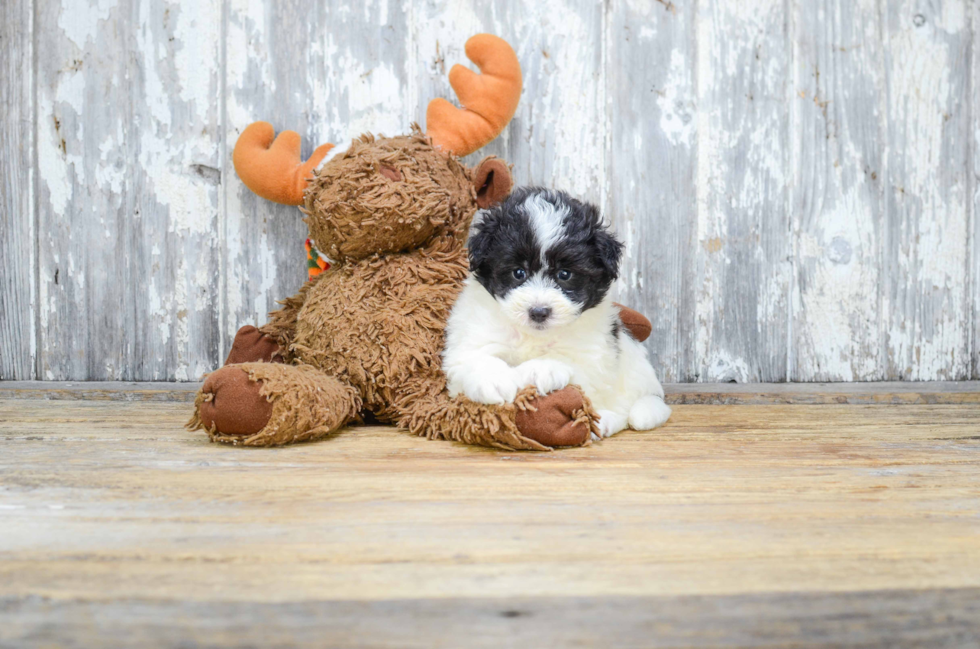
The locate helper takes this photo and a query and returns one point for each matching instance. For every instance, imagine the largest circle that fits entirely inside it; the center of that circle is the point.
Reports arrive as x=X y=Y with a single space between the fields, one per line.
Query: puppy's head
x=545 y=256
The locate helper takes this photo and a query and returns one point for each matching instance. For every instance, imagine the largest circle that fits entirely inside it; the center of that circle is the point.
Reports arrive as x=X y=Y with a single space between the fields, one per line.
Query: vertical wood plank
x=798 y=191
x=328 y=70
x=744 y=267
x=17 y=262
x=835 y=195
x=556 y=137
x=926 y=244
x=128 y=149
x=974 y=139
x=650 y=113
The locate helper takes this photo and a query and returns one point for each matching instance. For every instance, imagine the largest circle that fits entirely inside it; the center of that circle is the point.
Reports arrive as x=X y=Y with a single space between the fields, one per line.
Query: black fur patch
x=504 y=241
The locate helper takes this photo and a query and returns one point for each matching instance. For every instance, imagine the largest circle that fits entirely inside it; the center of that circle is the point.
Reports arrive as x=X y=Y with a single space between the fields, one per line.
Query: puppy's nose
x=539 y=313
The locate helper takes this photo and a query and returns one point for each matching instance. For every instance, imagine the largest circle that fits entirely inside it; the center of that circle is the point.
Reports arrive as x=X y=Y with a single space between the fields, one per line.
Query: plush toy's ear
x=492 y=182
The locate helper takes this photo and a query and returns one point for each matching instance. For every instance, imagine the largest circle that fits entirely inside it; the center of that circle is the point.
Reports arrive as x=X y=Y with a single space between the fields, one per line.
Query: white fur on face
x=539 y=291
x=547 y=221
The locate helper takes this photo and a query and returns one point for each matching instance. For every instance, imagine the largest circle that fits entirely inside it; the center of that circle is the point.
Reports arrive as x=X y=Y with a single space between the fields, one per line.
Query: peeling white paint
x=927 y=337
x=741 y=193
x=787 y=244
x=376 y=96
x=676 y=119
x=81 y=24
x=837 y=215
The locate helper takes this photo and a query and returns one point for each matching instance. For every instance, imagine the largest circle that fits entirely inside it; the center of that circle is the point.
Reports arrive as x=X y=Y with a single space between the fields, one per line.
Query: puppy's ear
x=609 y=250
x=482 y=232
x=492 y=182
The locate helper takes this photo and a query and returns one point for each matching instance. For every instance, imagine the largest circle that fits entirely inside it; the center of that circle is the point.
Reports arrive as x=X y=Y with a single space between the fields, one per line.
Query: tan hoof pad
x=233 y=404
x=555 y=419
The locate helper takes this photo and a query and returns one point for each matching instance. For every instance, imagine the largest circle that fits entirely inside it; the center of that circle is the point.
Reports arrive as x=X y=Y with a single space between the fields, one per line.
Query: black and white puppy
x=536 y=311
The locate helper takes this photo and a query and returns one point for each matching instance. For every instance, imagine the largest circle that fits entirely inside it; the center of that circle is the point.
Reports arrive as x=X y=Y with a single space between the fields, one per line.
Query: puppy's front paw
x=611 y=423
x=649 y=412
x=494 y=387
x=545 y=375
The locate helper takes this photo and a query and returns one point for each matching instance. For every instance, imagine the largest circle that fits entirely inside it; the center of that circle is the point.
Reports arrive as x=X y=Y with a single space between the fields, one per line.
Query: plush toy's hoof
x=556 y=419
x=253 y=346
x=232 y=404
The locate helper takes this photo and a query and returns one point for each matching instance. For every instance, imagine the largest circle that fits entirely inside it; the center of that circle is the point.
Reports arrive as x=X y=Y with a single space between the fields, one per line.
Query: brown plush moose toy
x=392 y=214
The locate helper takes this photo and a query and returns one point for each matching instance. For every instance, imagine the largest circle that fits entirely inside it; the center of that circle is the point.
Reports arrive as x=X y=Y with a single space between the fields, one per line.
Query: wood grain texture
x=974 y=184
x=796 y=181
x=650 y=115
x=128 y=148
x=835 y=197
x=881 y=392
x=925 y=619
x=744 y=271
x=770 y=521
x=327 y=70
x=17 y=236
x=556 y=136
x=926 y=243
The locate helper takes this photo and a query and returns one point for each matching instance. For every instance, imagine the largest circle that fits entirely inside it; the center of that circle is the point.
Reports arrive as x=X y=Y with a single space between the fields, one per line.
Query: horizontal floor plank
x=896 y=392
x=117 y=499
x=775 y=525
x=932 y=619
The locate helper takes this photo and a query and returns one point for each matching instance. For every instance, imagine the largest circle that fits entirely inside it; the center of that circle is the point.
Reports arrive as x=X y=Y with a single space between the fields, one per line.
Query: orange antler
x=489 y=99
x=274 y=170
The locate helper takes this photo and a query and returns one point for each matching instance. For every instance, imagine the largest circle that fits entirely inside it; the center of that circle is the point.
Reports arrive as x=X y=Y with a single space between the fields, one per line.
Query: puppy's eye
x=520 y=273
x=564 y=275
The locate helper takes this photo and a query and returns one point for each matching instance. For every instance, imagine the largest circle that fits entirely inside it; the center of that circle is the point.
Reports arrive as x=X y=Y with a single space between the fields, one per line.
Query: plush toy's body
x=392 y=215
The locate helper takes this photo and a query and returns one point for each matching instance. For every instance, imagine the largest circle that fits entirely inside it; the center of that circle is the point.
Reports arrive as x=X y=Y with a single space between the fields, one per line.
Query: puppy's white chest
x=591 y=359
x=525 y=349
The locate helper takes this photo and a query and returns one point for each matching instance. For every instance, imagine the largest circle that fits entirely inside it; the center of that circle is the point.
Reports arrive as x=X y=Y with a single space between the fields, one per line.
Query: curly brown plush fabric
x=371 y=213
x=303 y=404
x=393 y=215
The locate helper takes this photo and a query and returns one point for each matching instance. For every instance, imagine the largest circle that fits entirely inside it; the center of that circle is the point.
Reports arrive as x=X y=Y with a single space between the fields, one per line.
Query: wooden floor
x=847 y=523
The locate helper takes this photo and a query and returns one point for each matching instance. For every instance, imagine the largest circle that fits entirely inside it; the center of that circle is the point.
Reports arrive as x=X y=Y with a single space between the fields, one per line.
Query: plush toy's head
x=388 y=194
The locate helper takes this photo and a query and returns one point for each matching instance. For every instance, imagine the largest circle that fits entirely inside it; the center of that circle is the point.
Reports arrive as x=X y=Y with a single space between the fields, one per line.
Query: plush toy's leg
x=253 y=346
x=282 y=322
x=533 y=423
x=562 y=418
x=270 y=404
x=268 y=344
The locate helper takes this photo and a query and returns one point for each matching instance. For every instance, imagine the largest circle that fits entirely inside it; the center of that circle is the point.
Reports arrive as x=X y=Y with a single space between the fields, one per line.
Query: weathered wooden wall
x=796 y=179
